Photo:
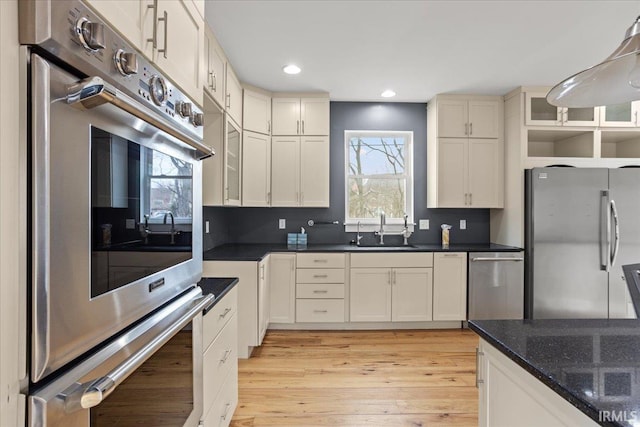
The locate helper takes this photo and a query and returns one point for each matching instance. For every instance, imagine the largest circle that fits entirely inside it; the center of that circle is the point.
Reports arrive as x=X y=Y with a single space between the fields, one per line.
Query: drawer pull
x=452 y=255
x=320 y=276
x=227 y=353
x=226 y=311
x=320 y=311
x=226 y=411
x=320 y=260
x=320 y=292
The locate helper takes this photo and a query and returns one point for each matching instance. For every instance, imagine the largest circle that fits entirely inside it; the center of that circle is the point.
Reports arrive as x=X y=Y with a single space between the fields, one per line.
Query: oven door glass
x=141 y=208
x=159 y=393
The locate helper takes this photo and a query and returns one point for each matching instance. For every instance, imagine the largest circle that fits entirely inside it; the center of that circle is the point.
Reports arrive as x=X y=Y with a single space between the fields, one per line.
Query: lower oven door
x=150 y=375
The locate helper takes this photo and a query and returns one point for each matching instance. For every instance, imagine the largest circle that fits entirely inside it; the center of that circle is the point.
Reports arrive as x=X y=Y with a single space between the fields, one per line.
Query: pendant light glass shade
x=615 y=80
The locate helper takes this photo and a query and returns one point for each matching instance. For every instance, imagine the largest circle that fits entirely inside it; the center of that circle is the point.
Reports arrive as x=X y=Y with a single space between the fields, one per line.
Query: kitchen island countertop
x=593 y=364
x=256 y=252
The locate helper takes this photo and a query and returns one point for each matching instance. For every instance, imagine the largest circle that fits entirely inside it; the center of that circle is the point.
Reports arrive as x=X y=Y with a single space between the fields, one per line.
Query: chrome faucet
x=173 y=226
x=145 y=230
x=383 y=221
x=358 y=236
x=405 y=232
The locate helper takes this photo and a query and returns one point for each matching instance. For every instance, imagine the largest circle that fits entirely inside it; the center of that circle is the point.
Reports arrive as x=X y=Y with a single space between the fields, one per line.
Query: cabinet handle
x=320 y=260
x=470 y=128
x=228 y=100
x=226 y=311
x=470 y=199
x=560 y=115
x=268 y=197
x=320 y=311
x=166 y=28
x=226 y=412
x=262 y=272
x=303 y=127
x=215 y=82
x=210 y=80
x=394 y=277
x=269 y=126
x=566 y=115
x=154 y=35
x=478 y=380
x=297 y=127
x=636 y=117
x=466 y=128
x=389 y=278
x=302 y=198
x=320 y=276
x=227 y=353
x=451 y=255
x=321 y=292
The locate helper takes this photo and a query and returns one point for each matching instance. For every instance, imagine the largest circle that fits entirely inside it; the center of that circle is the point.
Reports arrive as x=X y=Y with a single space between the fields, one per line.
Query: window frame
x=373 y=224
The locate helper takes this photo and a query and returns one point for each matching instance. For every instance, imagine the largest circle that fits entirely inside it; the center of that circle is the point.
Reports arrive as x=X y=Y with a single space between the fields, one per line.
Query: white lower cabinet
x=320 y=282
x=450 y=286
x=398 y=288
x=220 y=361
x=510 y=396
x=253 y=291
x=282 y=284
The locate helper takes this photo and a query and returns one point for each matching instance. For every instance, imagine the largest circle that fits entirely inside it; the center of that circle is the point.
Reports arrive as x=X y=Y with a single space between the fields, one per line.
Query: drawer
x=218 y=316
x=391 y=260
x=320 y=275
x=320 y=290
x=319 y=310
x=320 y=260
x=219 y=360
x=222 y=409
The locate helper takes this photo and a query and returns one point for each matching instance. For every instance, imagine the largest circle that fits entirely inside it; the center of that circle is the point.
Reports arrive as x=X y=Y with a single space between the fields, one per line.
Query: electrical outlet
x=206 y=227
x=282 y=223
x=130 y=224
x=463 y=224
x=424 y=224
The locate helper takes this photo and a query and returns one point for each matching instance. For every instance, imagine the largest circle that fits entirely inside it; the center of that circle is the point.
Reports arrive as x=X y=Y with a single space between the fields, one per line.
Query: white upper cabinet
x=620 y=115
x=465 y=152
x=127 y=13
x=233 y=104
x=256 y=112
x=538 y=112
x=300 y=116
x=213 y=167
x=314 y=171
x=173 y=33
x=285 y=171
x=256 y=169
x=233 y=163
x=214 y=75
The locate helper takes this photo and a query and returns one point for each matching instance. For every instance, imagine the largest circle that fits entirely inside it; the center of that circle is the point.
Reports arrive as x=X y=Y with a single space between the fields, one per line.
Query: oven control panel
x=79 y=37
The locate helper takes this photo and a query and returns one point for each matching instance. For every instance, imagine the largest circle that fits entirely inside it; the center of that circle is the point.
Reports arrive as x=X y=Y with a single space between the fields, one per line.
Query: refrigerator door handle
x=605 y=249
x=616 y=233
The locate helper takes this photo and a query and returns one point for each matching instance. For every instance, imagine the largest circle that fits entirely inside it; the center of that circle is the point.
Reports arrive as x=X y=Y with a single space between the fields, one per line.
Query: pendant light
x=615 y=80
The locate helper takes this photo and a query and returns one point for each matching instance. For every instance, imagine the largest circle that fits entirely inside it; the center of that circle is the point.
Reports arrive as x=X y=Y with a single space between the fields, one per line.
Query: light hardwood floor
x=360 y=378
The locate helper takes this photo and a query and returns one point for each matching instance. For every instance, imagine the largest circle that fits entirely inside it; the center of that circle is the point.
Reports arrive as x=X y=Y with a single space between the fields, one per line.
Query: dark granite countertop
x=593 y=364
x=218 y=286
x=255 y=252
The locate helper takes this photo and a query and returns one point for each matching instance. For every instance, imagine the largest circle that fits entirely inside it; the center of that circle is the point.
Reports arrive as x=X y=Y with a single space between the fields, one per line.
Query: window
x=168 y=187
x=379 y=176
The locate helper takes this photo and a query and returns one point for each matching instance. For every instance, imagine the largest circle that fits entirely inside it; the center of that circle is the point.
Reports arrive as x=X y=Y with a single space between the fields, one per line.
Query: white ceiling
x=356 y=49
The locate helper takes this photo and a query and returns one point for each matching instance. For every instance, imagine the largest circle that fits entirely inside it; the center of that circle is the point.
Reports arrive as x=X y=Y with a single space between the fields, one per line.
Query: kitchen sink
x=386 y=247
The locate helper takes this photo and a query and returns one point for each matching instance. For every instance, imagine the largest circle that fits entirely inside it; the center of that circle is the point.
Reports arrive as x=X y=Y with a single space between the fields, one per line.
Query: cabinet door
x=126 y=14
x=214 y=76
x=282 y=287
x=256 y=169
x=314 y=116
x=486 y=182
x=285 y=171
x=452 y=172
x=449 y=286
x=213 y=168
x=264 y=298
x=484 y=119
x=233 y=164
x=314 y=171
x=370 y=295
x=581 y=116
x=285 y=116
x=411 y=297
x=453 y=118
x=256 y=112
x=180 y=44
x=538 y=112
x=234 y=95
x=620 y=115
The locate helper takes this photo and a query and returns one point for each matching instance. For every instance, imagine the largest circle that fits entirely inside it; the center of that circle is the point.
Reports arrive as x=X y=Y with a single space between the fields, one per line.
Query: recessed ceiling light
x=388 y=93
x=291 y=69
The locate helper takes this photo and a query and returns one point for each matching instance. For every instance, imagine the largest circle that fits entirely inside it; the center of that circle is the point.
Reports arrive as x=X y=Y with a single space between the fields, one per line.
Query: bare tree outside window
x=378 y=173
x=170 y=186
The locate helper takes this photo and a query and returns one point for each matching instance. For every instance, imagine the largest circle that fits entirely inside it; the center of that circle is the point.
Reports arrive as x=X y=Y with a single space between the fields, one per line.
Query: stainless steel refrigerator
x=582 y=225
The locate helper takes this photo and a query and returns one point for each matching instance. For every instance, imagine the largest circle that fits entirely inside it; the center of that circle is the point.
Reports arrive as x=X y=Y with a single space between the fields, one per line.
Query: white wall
x=12 y=220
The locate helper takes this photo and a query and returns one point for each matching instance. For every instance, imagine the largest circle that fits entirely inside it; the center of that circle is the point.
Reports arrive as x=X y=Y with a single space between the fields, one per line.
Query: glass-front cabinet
x=232 y=164
x=538 y=112
x=620 y=115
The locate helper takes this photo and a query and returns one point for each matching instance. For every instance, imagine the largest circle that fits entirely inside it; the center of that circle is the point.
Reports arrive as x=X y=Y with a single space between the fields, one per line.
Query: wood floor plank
x=360 y=378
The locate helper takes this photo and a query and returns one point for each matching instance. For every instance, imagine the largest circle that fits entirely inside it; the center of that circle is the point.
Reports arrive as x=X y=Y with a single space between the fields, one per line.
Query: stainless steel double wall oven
x=115 y=208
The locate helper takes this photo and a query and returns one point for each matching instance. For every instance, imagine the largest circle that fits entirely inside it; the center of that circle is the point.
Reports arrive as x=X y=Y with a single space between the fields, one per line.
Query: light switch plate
x=463 y=224
x=206 y=227
x=282 y=223
x=130 y=223
x=424 y=224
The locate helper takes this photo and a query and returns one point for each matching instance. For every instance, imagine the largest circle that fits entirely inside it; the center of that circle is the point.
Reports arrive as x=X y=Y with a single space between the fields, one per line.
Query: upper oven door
x=115 y=207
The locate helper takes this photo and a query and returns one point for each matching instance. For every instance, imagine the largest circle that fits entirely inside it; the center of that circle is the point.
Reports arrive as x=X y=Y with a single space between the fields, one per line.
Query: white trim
x=393 y=224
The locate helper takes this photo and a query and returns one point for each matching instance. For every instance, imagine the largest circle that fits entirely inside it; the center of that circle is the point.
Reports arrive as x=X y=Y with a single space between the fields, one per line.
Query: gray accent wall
x=260 y=225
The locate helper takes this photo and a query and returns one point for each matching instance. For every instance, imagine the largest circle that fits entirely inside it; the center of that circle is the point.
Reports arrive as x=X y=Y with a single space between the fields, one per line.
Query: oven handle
x=94 y=91
x=92 y=393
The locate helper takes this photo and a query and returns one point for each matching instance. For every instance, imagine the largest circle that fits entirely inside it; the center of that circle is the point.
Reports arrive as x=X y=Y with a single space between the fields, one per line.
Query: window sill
x=370 y=228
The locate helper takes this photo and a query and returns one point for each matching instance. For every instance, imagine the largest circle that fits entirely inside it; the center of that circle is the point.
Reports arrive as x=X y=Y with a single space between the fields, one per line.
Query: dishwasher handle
x=519 y=259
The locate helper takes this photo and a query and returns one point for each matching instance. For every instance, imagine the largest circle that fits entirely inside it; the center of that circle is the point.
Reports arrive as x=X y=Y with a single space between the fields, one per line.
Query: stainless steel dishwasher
x=496 y=285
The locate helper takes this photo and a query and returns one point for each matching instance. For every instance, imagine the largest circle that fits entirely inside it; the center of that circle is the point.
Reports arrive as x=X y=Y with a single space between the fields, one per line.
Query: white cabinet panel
x=264 y=298
x=256 y=112
x=213 y=167
x=412 y=294
x=256 y=169
x=285 y=171
x=282 y=283
x=452 y=172
x=286 y=116
x=485 y=182
x=314 y=116
x=484 y=119
x=216 y=63
x=321 y=260
x=452 y=118
x=125 y=15
x=370 y=296
x=450 y=286
x=233 y=103
x=314 y=171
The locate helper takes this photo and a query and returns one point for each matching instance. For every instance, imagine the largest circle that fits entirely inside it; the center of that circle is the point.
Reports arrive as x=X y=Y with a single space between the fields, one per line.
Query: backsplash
x=260 y=225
